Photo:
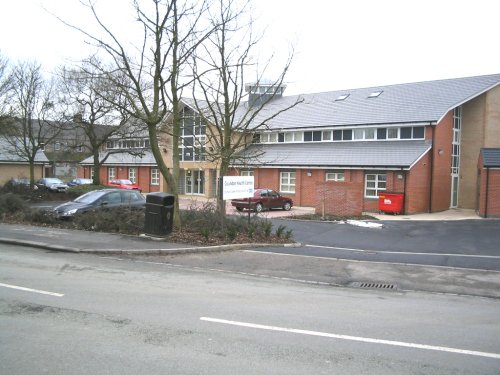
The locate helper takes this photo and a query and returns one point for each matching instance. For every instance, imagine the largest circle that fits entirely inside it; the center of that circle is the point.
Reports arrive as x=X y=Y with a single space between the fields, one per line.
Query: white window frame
x=246 y=172
x=288 y=180
x=132 y=174
x=155 y=176
x=379 y=182
x=335 y=176
x=111 y=173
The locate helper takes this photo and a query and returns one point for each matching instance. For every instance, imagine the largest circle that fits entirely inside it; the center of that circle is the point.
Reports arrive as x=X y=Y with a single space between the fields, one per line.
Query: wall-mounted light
x=309 y=173
x=440 y=152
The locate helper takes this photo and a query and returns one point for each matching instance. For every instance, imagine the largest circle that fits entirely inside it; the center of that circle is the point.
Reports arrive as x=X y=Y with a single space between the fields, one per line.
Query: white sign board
x=236 y=187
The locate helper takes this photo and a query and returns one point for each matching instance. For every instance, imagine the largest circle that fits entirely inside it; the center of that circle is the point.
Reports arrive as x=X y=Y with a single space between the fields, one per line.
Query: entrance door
x=195 y=182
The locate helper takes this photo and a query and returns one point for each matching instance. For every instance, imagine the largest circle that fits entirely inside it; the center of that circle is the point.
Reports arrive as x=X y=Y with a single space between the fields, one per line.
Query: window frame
x=288 y=181
x=377 y=180
x=155 y=176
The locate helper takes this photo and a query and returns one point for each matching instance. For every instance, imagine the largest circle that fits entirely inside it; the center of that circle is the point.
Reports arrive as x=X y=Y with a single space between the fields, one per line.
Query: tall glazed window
x=455 y=156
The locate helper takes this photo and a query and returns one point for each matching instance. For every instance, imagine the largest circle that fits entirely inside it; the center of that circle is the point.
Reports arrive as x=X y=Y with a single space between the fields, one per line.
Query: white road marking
x=32 y=290
x=405 y=252
x=367 y=261
x=354 y=338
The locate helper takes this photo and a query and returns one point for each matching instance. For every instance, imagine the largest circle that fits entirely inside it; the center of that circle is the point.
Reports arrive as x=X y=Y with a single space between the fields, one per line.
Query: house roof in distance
x=8 y=155
x=420 y=102
x=491 y=157
x=138 y=158
x=387 y=154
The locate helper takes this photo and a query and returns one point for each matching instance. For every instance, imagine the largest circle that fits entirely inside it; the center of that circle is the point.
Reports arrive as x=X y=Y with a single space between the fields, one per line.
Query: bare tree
x=4 y=90
x=88 y=96
x=221 y=68
x=32 y=106
x=150 y=76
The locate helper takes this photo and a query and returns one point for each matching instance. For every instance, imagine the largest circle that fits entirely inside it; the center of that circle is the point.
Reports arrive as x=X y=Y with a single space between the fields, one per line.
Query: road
x=470 y=244
x=84 y=314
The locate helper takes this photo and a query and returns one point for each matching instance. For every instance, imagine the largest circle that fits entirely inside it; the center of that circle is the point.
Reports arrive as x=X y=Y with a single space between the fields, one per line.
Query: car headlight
x=71 y=212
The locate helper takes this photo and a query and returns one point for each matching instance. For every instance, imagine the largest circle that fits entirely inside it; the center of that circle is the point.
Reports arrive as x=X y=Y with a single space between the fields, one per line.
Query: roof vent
x=342 y=97
x=375 y=94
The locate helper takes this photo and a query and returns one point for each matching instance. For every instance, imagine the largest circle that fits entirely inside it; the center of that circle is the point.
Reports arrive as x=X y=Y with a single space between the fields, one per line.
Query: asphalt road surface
x=66 y=313
x=471 y=244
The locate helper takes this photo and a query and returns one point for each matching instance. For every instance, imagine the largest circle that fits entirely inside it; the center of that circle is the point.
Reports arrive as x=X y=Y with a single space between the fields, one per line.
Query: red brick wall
x=417 y=186
x=339 y=198
x=489 y=192
x=441 y=179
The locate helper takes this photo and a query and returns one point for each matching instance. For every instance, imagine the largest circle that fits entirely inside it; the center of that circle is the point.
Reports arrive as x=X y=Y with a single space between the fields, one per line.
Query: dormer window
x=375 y=94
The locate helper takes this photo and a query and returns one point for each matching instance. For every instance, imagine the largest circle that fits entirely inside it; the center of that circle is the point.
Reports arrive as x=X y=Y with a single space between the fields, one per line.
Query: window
x=132 y=172
x=287 y=182
x=155 y=176
x=405 y=133
x=370 y=133
x=381 y=133
x=392 y=133
x=247 y=172
x=418 y=132
x=359 y=133
x=192 y=137
x=341 y=97
x=111 y=173
x=374 y=184
x=57 y=146
x=281 y=137
x=334 y=176
x=312 y=136
x=327 y=135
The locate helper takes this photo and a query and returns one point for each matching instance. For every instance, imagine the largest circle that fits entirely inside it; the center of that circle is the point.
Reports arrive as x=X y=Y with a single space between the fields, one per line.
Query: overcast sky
x=339 y=44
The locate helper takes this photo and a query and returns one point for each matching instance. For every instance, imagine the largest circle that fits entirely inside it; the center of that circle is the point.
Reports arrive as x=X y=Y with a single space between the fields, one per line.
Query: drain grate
x=367 y=285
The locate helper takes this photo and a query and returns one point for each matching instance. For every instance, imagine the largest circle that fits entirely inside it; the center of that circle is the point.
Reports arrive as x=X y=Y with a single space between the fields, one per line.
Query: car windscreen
x=126 y=182
x=90 y=197
x=54 y=181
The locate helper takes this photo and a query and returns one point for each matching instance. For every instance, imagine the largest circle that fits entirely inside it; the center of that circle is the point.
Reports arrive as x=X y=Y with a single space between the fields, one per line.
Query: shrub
x=119 y=220
x=11 y=203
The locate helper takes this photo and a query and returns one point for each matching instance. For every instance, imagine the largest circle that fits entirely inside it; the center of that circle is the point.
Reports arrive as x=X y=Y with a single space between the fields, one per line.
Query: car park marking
x=404 y=252
x=354 y=338
x=31 y=290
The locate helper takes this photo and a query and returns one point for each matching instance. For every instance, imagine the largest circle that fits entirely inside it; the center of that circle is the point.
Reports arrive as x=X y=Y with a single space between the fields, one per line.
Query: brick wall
x=489 y=192
x=339 y=198
x=417 y=186
x=441 y=179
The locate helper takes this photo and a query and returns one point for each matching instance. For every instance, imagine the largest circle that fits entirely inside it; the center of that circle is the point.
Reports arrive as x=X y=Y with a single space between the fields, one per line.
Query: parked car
x=23 y=182
x=124 y=184
x=263 y=199
x=52 y=184
x=80 y=181
x=101 y=199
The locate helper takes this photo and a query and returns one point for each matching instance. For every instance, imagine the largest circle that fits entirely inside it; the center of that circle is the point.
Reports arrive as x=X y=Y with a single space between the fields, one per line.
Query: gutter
x=431 y=179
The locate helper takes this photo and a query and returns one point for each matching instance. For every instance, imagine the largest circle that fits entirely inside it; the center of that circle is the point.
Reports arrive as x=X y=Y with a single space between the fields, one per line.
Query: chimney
x=261 y=93
x=78 y=118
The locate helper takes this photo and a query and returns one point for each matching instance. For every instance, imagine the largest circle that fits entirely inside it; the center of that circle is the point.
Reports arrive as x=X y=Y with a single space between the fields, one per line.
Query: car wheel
x=259 y=207
x=239 y=209
x=287 y=206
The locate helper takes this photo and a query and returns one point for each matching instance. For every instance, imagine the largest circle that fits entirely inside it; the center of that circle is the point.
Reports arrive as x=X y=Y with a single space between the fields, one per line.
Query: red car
x=263 y=199
x=124 y=184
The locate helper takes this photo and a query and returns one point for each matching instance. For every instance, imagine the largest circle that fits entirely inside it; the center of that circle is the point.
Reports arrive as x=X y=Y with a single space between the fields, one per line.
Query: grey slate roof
x=421 y=102
x=9 y=156
x=388 y=154
x=491 y=157
x=123 y=158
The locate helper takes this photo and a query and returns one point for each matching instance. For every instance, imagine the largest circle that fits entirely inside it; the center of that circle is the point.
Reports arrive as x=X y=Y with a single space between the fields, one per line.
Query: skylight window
x=375 y=94
x=342 y=97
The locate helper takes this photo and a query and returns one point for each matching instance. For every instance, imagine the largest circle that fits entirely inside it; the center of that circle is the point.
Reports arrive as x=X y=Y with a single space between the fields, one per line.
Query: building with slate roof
x=420 y=139
x=338 y=151
x=14 y=166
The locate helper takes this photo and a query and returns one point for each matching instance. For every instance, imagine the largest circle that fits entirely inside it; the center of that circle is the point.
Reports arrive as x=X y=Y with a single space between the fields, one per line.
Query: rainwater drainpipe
x=431 y=181
x=486 y=194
